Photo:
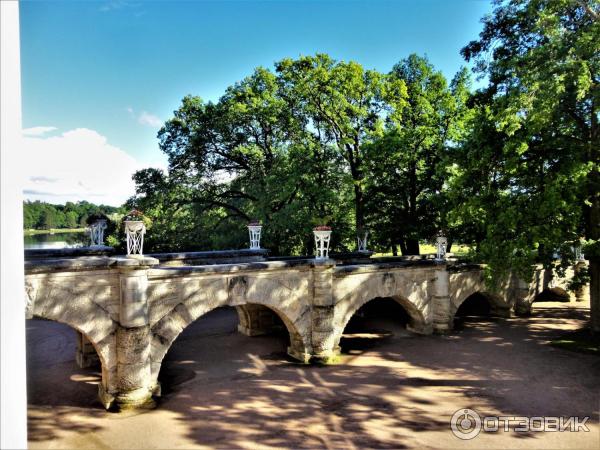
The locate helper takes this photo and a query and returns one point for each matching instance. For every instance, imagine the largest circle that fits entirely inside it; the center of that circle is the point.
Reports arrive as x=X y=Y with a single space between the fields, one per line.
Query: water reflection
x=57 y=240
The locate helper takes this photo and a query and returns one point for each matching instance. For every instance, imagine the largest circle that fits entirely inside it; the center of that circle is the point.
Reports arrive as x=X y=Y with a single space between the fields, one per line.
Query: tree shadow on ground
x=391 y=391
x=56 y=385
x=387 y=391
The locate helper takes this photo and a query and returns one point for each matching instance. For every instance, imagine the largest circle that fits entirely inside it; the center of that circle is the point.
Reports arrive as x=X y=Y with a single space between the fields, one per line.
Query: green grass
x=54 y=231
x=580 y=341
x=457 y=250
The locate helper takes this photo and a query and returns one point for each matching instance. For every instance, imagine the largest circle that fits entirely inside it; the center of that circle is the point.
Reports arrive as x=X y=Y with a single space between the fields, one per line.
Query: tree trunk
x=595 y=295
x=412 y=247
x=394 y=250
x=358 y=209
x=449 y=245
x=593 y=225
x=403 y=248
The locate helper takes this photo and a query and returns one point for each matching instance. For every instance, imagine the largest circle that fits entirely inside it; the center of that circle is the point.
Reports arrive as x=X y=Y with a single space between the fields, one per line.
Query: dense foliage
x=304 y=145
x=528 y=176
x=45 y=216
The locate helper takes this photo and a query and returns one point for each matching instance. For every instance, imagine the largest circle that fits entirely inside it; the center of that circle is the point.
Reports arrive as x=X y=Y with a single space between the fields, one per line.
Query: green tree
x=41 y=215
x=407 y=166
x=346 y=106
x=535 y=147
x=248 y=156
x=48 y=218
x=71 y=219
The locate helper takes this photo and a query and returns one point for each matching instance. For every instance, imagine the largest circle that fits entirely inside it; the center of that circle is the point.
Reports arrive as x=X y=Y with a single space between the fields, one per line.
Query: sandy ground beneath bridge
x=225 y=390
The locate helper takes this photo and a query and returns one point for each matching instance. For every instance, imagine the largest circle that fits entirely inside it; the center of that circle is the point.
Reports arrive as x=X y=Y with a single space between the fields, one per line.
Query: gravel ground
x=391 y=389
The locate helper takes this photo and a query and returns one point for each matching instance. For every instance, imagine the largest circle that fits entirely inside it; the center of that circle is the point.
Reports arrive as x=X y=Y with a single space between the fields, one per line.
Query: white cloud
x=77 y=165
x=113 y=5
x=151 y=120
x=37 y=131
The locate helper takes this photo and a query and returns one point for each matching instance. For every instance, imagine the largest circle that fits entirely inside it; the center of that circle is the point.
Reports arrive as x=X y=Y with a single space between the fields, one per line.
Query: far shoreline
x=31 y=232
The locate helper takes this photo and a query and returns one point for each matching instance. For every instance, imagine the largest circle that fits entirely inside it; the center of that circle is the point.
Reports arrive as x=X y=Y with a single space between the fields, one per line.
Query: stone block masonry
x=129 y=311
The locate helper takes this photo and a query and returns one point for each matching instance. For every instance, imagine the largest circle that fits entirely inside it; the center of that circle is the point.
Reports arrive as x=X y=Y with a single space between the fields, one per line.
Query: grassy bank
x=53 y=231
x=457 y=250
x=581 y=341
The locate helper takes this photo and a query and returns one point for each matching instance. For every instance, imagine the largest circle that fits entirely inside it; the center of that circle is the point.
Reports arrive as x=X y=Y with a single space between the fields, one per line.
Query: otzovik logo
x=467 y=424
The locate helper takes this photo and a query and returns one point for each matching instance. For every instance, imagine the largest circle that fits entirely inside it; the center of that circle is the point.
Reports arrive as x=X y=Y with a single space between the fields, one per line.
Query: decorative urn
x=322 y=238
x=254 y=231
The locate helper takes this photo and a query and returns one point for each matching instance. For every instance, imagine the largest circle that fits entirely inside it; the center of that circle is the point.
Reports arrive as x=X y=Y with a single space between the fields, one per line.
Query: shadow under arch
x=166 y=331
x=56 y=384
x=404 y=313
x=555 y=294
x=105 y=348
x=479 y=305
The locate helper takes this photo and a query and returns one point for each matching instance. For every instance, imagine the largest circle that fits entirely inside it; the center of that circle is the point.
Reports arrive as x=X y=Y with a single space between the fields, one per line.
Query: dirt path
x=223 y=389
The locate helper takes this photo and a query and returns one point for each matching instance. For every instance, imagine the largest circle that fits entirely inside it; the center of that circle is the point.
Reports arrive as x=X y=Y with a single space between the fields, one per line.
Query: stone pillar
x=583 y=293
x=85 y=355
x=133 y=386
x=324 y=348
x=442 y=311
x=520 y=294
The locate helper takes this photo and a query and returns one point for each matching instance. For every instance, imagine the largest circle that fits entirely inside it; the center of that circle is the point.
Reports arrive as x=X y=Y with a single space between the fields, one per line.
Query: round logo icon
x=465 y=424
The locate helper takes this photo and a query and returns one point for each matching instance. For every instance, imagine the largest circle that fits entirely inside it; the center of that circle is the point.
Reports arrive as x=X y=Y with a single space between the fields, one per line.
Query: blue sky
x=119 y=68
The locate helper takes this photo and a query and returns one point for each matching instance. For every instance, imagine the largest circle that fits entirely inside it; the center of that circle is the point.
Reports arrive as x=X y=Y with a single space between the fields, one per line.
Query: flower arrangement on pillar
x=135 y=228
x=254 y=230
x=322 y=238
x=441 y=243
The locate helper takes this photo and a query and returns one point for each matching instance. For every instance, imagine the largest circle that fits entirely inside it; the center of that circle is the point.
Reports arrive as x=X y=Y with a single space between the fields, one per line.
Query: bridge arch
x=166 y=330
x=417 y=321
x=90 y=319
x=496 y=304
x=555 y=293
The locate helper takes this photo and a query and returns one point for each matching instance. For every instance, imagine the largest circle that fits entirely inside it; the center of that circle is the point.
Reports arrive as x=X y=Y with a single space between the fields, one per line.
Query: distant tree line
x=39 y=215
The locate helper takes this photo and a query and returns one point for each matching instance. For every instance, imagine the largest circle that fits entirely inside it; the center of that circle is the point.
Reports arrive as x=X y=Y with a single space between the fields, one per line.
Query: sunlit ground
x=391 y=389
x=430 y=249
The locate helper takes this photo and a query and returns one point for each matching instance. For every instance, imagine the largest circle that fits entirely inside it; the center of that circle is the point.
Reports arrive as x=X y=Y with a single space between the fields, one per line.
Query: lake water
x=56 y=240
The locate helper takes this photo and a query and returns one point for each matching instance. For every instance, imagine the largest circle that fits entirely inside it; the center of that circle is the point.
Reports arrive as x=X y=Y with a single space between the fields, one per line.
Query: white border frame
x=13 y=386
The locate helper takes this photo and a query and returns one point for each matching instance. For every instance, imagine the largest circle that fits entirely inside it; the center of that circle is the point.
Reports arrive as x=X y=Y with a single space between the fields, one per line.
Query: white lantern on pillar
x=578 y=254
x=362 y=243
x=254 y=231
x=322 y=238
x=97 y=232
x=134 y=232
x=441 y=243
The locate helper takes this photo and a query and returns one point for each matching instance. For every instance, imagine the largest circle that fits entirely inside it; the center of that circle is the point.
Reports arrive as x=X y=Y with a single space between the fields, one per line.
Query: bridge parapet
x=211 y=257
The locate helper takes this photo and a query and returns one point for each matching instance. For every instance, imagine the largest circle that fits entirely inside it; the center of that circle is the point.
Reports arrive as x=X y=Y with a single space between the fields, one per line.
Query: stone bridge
x=128 y=311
